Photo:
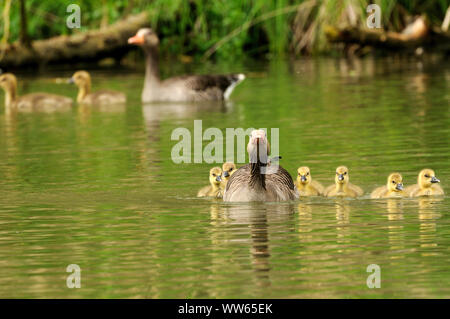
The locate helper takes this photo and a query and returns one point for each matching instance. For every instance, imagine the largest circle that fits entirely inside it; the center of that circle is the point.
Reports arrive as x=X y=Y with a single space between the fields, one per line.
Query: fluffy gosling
x=427 y=185
x=214 y=189
x=306 y=186
x=342 y=187
x=393 y=188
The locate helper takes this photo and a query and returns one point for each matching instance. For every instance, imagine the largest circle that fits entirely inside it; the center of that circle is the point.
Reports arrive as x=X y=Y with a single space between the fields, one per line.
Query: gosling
x=82 y=80
x=41 y=102
x=342 y=186
x=228 y=169
x=393 y=188
x=214 y=189
x=306 y=186
x=427 y=185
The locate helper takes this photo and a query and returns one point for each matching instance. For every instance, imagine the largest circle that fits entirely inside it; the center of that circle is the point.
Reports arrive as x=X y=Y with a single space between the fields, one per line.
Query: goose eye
x=345 y=173
x=214 y=174
x=230 y=169
x=307 y=174
x=393 y=182
x=426 y=175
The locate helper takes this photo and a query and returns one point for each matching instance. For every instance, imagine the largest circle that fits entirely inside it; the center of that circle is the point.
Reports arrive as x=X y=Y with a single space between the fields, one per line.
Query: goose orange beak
x=137 y=39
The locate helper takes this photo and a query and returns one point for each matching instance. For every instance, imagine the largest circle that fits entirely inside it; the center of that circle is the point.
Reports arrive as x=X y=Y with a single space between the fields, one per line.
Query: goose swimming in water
x=39 y=102
x=182 y=88
x=427 y=184
x=393 y=188
x=342 y=187
x=306 y=185
x=215 y=188
x=256 y=181
x=82 y=79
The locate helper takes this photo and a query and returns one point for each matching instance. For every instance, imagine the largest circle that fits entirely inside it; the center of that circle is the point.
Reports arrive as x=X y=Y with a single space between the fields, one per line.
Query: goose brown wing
x=204 y=82
x=241 y=175
x=281 y=177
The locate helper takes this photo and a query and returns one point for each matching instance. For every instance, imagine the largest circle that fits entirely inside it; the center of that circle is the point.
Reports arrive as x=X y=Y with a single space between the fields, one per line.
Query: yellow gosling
x=427 y=185
x=342 y=187
x=82 y=80
x=306 y=186
x=228 y=169
x=214 y=189
x=393 y=188
x=33 y=102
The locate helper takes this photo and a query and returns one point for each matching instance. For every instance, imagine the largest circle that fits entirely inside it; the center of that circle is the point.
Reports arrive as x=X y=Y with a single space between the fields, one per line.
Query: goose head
x=81 y=79
x=228 y=169
x=427 y=178
x=258 y=147
x=8 y=82
x=341 y=175
x=395 y=182
x=215 y=176
x=303 y=175
x=146 y=38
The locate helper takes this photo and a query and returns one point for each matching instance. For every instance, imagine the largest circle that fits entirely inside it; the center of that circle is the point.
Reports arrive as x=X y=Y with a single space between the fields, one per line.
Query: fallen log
x=111 y=41
x=434 y=38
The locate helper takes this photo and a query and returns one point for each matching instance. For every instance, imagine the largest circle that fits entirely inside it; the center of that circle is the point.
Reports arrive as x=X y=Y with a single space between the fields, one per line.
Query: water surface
x=96 y=187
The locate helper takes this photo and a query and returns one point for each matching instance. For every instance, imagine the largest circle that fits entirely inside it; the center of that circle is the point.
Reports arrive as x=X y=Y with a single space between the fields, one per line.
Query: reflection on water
x=96 y=187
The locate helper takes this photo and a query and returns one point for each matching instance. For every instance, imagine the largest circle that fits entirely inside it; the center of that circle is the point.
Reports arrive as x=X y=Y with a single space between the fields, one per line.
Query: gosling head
x=341 y=175
x=258 y=147
x=8 y=82
x=215 y=176
x=228 y=169
x=395 y=182
x=145 y=37
x=427 y=178
x=303 y=175
x=80 y=78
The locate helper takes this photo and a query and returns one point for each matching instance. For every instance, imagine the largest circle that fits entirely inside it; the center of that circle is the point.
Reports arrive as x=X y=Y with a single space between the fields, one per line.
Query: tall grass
x=225 y=28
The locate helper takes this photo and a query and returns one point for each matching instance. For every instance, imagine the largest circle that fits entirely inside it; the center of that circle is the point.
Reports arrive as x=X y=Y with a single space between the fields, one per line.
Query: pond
x=97 y=187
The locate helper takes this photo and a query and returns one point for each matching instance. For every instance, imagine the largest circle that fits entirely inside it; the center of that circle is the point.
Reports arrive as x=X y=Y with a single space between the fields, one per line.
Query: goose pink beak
x=137 y=39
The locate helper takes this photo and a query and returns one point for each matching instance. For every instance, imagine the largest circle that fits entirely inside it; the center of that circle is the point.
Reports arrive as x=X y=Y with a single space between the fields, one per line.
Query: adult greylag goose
x=427 y=184
x=41 y=102
x=215 y=187
x=258 y=181
x=182 y=88
x=306 y=186
x=82 y=80
x=342 y=186
x=393 y=188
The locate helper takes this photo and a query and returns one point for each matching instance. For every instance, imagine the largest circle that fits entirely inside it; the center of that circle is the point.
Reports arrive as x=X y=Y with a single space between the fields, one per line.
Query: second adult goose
x=256 y=181
x=183 y=88
x=40 y=102
x=82 y=79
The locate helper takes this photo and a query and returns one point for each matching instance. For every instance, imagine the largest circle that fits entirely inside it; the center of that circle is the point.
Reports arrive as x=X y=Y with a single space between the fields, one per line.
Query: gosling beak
x=399 y=187
x=218 y=179
x=226 y=174
x=70 y=81
x=137 y=39
x=303 y=178
x=341 y=177
x=435 y=180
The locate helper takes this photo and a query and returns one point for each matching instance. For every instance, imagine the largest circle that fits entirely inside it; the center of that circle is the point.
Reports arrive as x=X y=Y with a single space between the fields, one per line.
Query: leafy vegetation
x=226 y=28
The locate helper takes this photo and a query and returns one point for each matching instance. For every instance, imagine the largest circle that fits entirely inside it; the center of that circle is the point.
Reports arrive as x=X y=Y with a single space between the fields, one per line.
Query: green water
x=97 y=188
